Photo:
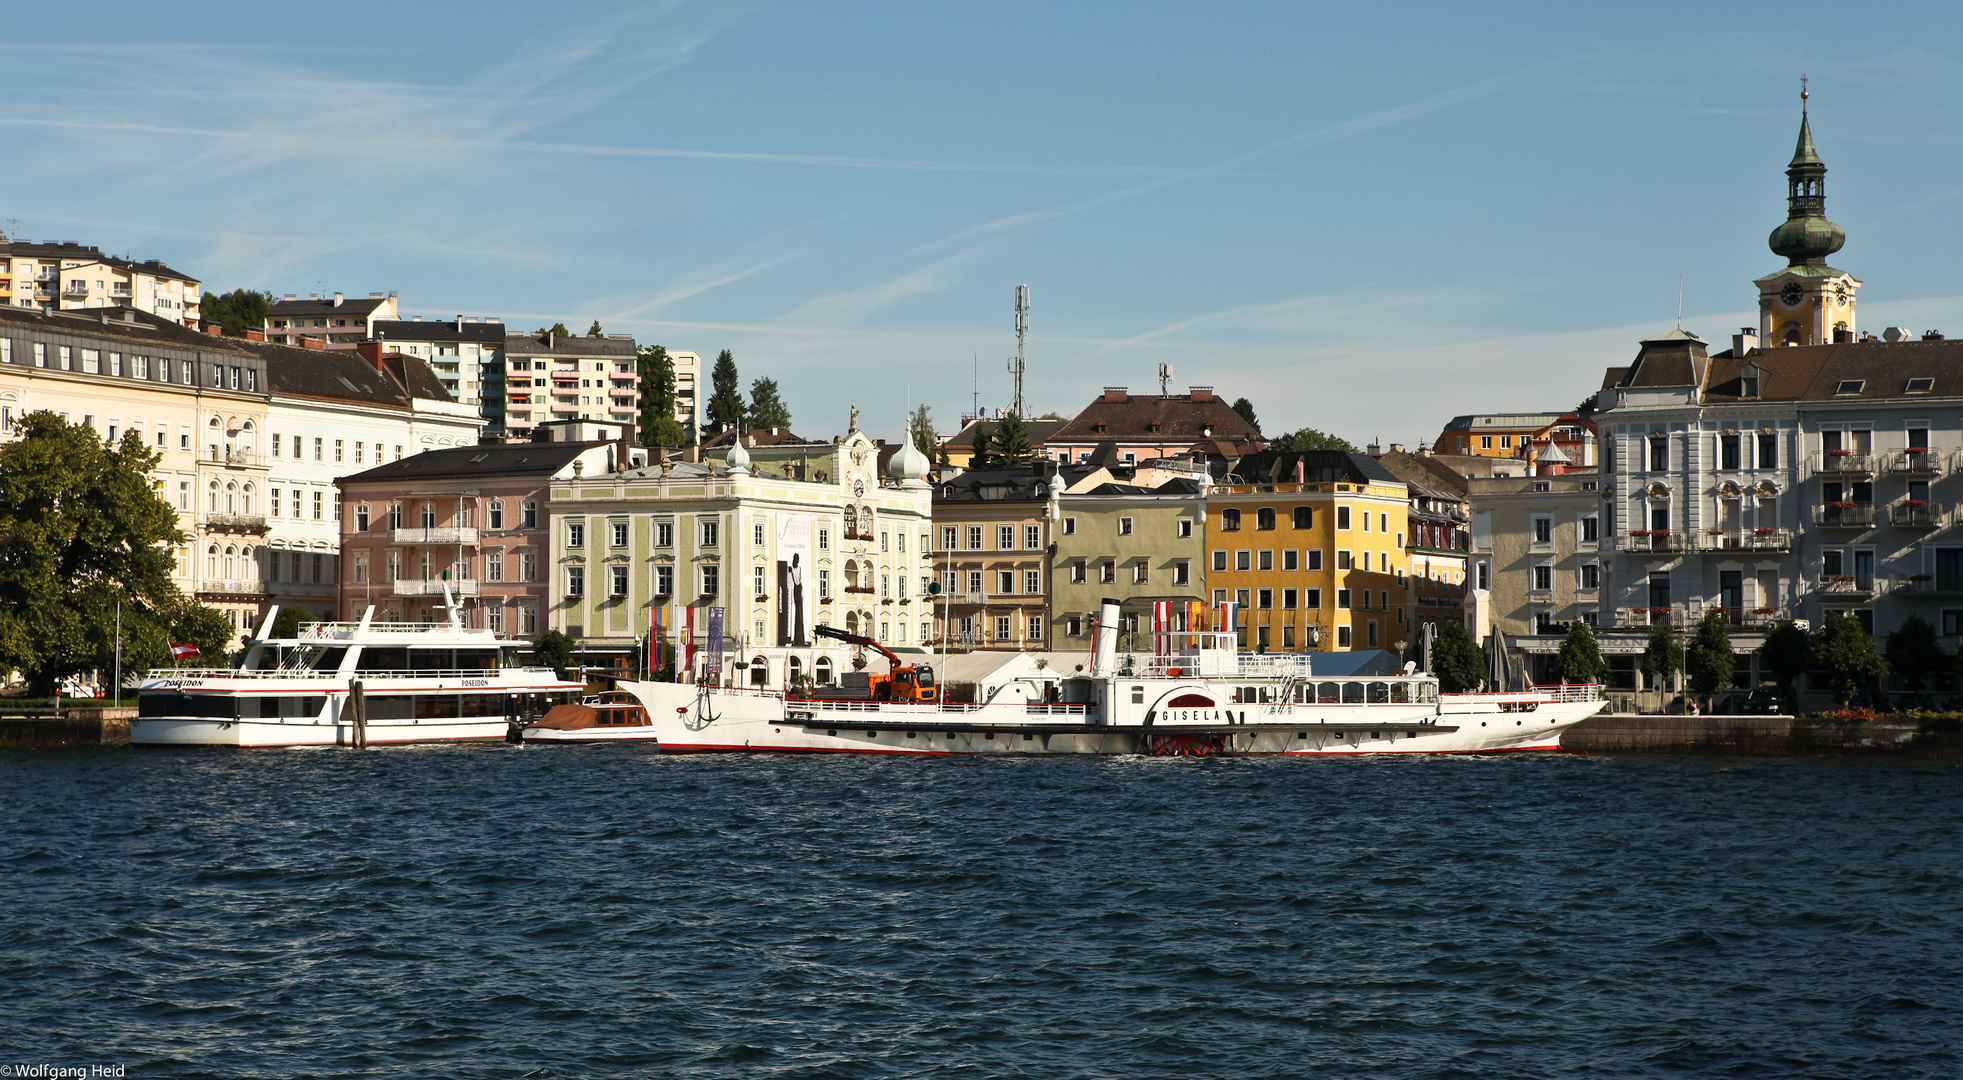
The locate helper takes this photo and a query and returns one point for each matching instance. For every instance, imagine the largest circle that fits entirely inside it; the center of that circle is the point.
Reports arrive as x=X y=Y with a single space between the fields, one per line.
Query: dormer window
x=1101 y=428
x=1849 y=386
x=1748 y=381
x=1920 y=386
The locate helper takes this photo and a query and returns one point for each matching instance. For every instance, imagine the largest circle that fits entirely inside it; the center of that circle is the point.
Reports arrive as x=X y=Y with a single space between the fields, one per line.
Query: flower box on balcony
x=1764 y=531
x=1915 y=504
x=1842 y=505
x=1765 y=611
x=1918 y=450
x=1715 y=532
x=1840 y=453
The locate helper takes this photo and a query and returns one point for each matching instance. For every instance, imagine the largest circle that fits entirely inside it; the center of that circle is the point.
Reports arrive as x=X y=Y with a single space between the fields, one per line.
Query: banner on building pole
x=712 y=664
x=687 y=670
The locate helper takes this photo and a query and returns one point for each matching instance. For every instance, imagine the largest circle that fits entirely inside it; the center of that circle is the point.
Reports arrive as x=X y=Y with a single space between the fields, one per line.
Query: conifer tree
x=1580 y=659
x=1008 y=445
x=924 y=439
x=767 y=409
x=594 y=330
x=726 y=405
x=658 y=426
x=1456 y=659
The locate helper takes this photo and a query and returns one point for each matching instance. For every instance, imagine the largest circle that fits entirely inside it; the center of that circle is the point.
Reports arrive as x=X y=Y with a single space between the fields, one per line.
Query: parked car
x=1762 y=701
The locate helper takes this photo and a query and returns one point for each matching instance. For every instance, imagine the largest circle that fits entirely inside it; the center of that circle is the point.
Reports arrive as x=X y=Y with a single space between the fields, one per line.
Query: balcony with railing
x=241 y=522
x=414 y=587
x=1844 y=515
x=1916 y=514
x=444 y=534
x=75 y=290
x=223 y=587
x=1916 y=463
x=1767 y=539
x=1853 y=588
x=1760 y=618
x=1642 y=618
x=1658 y=542
x=1846 y=463
x=1925 y=585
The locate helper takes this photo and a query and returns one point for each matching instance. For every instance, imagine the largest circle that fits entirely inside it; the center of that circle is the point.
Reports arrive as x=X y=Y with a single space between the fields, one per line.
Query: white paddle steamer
x=1200 y=696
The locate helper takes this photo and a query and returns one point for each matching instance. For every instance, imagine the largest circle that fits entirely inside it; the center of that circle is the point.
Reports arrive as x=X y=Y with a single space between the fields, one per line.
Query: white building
x=332 y=318
x=467 y=354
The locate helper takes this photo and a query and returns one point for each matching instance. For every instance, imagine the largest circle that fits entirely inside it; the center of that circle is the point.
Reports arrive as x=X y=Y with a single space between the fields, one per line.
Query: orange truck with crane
x=904 y=682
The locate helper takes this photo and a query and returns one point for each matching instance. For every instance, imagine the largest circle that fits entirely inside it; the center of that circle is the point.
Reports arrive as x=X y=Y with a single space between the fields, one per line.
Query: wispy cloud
x=1333 y=132
x=696 y=285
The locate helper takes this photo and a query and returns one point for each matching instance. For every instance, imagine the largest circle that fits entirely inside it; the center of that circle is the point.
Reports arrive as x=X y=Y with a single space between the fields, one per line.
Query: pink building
x=474 y=516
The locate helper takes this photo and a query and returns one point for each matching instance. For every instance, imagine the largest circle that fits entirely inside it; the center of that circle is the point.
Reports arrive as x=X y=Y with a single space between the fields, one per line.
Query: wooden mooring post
x=358 y=714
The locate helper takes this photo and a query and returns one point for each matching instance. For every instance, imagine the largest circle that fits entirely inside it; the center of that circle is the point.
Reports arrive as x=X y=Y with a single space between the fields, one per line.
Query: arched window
x=231 y=498
x=851 y=522
x=1264 y=518
x=211 y=562
x=245 y=499
x=212 y=497
x=851 y=622
x=759 y=671
x=823 y=669
x=1230 y=520
x=851 y=572
x=249 y=562
x=496 y=518
x=865 y=521
x=231 y=563
x=1304 y=517
x=796 y=671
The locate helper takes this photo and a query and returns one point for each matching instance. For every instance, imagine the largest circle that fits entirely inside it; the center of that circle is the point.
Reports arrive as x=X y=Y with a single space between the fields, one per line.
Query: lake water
x=542 y=911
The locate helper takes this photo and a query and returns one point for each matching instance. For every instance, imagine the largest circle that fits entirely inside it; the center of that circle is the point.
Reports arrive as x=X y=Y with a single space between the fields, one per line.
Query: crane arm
x=892 y=657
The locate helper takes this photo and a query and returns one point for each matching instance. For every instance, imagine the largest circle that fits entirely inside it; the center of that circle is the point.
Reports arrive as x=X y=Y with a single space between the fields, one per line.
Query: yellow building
x=69 y=276
x=1311 y=548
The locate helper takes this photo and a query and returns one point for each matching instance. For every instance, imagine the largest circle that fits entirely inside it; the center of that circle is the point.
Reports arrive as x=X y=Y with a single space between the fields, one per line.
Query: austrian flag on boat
x=180 y=651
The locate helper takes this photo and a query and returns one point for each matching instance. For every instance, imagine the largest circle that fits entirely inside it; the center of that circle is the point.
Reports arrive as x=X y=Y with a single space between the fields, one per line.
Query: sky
x=1364 y=218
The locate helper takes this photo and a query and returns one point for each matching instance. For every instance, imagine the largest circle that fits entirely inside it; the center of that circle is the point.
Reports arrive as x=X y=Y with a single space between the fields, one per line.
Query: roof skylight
x=1850 y=386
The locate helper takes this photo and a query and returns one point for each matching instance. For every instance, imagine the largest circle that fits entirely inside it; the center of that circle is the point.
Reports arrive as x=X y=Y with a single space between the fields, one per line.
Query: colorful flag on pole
x=1162 y=628
x=657 y=617
x=1229 y=617
x=688 y=643
x=182 y=652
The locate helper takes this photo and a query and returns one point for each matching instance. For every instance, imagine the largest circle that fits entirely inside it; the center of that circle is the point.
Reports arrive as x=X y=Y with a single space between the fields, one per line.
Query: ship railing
x=1571 y=691
x=310 y=673
x=927 y=708
x=746 y=691
x=1057 y=710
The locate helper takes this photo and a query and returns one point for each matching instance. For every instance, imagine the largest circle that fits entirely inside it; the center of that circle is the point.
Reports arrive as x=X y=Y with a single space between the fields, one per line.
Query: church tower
x=1809 y=302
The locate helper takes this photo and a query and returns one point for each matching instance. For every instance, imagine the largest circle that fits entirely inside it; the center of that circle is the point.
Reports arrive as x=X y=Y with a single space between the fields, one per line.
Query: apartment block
x=68 y=276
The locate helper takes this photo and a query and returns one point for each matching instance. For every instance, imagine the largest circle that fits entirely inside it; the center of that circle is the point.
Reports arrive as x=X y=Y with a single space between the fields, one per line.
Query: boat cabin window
x=1379 y=693
x=373 y=659
x=1400 y=693
x=1329 y=693
x=1352 y=693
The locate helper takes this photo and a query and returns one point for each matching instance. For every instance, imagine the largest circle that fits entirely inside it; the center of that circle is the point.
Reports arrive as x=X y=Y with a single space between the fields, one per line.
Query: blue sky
x=1363 y=218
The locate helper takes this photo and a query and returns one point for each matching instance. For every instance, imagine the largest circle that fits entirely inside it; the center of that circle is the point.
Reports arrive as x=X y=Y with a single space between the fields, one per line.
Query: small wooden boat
x=613 y=716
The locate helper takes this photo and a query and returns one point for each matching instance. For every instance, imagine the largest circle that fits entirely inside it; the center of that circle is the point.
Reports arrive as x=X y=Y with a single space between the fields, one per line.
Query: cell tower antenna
x=1680 y=291
x=974 y=406
x=1165 y=380
x=1022 y=332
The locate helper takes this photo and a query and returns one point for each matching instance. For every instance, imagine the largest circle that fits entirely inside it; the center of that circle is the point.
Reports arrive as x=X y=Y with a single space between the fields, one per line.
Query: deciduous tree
x=236 y=311
x=206 y=627
x=290 y=621
x=1709 y=661
x=1304 y=439
x=1457 y=660
x=1913 y=652
x=1664 y=655
x=80 y=530
x=1786 y=654
x=924 y=437
x=554 y=650
x=1846 y=649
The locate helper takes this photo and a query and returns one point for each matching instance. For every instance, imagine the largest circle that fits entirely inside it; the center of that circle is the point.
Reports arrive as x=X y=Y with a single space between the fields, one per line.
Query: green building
x=1137 y=542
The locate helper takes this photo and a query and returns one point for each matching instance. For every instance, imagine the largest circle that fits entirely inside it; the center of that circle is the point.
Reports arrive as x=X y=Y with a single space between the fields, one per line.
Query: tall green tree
x=658 y=426
x=1846 y=649
x=80 y=530
x=1786 y=654
x=1580 y=659
x=1246 y=410
x=1008 y=444
x=726 y=406
x=237 y=311
x=208 y=628
x=1664 y=656
x=557 y=330
x=1457 y=659
x=1913 y=651
x=554 y=650
x=1709 y=661
x=290 y=621
x=1305 y=439
x=924 y=438
x=594 y=330
x=767 y=409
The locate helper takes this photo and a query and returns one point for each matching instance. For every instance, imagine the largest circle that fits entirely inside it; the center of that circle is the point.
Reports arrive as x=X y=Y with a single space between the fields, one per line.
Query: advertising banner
x=794 y=581
x=712 y=664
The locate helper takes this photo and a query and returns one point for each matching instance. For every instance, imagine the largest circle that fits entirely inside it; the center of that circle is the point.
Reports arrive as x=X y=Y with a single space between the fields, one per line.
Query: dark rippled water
x=602 y=911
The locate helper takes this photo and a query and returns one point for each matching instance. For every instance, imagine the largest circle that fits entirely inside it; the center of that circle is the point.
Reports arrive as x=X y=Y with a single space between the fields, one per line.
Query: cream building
x=548 y=377
x=200 y=401
x=69 y=276
x=844 y=547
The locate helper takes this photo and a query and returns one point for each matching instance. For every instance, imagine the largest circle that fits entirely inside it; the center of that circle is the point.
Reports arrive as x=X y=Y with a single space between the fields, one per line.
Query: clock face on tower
x=1840 y=293
x=1790 y=295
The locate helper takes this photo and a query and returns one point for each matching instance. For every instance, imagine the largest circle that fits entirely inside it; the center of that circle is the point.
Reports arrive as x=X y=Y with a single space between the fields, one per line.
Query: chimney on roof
x=1744 y=341
x=291 y=296
x=313 y=343
x=254 y=335
x=1116 y=393
x=415 y=318
x=370 y=351
x=215 y=330
x=1397 y=448
x=337 y=299
x=1932 y=335
x=1199 y=393
x=374 y=296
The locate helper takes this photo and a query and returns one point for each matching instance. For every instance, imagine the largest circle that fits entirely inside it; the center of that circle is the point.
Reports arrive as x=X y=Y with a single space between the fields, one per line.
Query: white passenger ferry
x=420 y=682
x=1198 y=697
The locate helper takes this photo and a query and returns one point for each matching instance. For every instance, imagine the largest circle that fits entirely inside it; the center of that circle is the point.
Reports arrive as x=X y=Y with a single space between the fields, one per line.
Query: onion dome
x=737 y=459
x=1807 y=237
x=908 y=466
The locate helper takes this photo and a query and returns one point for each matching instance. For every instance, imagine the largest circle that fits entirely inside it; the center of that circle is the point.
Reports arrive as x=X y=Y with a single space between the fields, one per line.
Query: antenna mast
x=974 y=388
x=1165 y=380
x=1680 y=291
x=1022 y=331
